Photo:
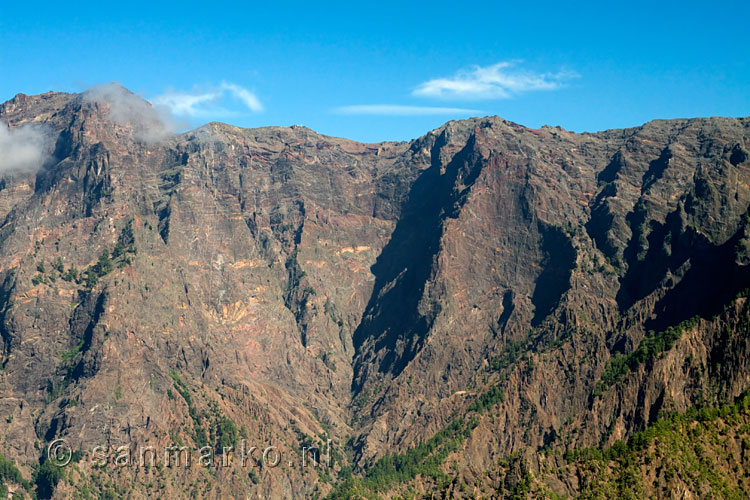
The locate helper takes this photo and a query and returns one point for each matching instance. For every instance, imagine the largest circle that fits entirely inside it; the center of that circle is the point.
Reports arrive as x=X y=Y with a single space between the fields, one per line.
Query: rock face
x=287 y=288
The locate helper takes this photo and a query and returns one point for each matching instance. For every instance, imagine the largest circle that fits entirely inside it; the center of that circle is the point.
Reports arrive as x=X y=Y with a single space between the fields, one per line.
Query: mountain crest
x=480 y=306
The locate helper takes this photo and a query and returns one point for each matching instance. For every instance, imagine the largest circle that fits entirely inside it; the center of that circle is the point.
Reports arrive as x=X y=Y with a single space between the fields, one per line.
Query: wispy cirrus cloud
x=399 y=110
x=220 y=101
x=498 y=81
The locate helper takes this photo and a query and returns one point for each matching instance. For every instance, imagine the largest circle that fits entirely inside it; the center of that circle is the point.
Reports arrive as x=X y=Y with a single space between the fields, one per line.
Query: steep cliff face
x=235 y=262
x=288 y=288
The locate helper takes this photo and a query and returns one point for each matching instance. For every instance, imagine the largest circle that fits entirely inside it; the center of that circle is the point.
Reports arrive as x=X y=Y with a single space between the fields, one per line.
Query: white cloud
x=24 y=148
x=251 y=100
x=183 y=104
x=209 y=102
x=498 y=81
x=125 y=108
x=398 y=110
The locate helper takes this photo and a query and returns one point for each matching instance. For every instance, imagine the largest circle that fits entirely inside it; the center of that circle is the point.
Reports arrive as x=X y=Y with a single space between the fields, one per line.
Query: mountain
x=488 y=311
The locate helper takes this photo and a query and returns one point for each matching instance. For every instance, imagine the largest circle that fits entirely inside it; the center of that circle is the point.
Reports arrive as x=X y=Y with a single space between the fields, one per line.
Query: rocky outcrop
x=291 y=288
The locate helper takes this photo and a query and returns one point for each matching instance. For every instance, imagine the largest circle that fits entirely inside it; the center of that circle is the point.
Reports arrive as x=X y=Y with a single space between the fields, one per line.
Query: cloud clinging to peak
x=209 y=102
x=498 y=81
x=24 y=148
x=125 y=108
x=399 y=110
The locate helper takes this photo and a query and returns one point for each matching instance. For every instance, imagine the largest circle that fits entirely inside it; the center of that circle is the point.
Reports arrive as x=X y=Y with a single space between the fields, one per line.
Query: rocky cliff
x=461 y=314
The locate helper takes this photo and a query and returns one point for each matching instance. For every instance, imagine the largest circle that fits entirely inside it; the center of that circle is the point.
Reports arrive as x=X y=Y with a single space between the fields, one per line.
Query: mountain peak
x=487 y=294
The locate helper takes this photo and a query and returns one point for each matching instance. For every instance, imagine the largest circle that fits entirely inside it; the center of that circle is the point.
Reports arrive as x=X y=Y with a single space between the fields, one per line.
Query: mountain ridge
x=495 y=118
x=307 y=288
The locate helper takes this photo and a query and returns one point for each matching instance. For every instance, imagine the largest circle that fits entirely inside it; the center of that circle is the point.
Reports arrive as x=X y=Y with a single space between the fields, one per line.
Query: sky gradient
x=391 y=71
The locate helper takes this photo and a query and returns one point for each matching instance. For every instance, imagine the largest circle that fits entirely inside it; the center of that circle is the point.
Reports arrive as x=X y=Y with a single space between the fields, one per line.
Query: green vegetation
x=71 y=353
x=651 y=346
x=71 y=274
x=425 y=459
x=58 y=265
x=618 y=464
x=91 y=279
x=55 y=388
x=226 y=433
x=487 y=400
x=253 y=476
x=9 y=472
x=690 y=448
x=222 y=431
x=199 y=435
x=120 y=257
x=104 y=265
x=47 y=477
x=514 y=350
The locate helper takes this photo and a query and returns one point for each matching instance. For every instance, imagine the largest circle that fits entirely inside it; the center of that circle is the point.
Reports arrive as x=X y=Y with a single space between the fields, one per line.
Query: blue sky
x=381 y=70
